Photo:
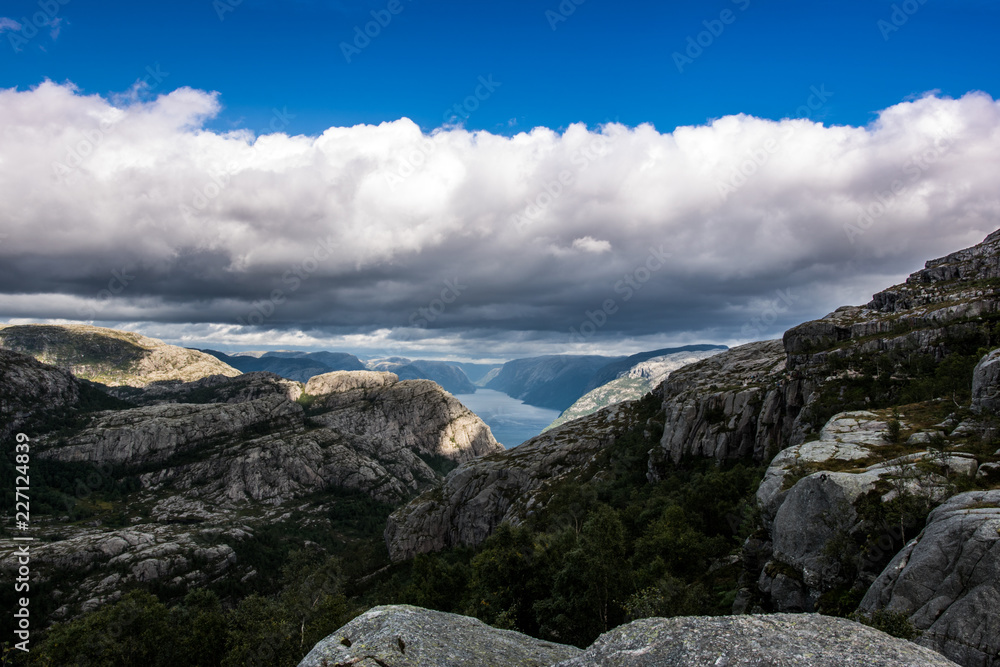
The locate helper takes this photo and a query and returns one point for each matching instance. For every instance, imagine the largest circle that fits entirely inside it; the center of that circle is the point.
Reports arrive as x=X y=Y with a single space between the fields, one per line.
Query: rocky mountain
x=197 y=469
x=445 y=373
x=870 y=417
x=110 y=357
x=554 y=381
x=629 y=383
x=403 y=635
x=298 y=366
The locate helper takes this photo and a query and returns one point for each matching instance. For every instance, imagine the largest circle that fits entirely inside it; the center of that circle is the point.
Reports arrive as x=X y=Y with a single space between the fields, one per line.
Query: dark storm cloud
x=381 y=235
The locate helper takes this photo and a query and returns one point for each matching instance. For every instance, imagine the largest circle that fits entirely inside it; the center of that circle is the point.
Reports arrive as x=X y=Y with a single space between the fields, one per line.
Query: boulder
x=775 y=640
x=401 y=636
x=947 y=580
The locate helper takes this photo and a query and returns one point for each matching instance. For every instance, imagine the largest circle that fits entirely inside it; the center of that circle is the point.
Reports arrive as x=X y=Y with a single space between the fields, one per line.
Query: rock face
x=29 y=389
x=735 y=404
x=401 y=635
x=415 y=414
x=947 y=580
x=810 y=495
x=111 y=357
x=479 y=495
x=986 y=383
x=364 y=431
x=631 y=384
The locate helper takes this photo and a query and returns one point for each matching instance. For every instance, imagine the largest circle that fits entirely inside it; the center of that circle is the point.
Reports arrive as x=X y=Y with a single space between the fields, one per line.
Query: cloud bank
x=130 y=210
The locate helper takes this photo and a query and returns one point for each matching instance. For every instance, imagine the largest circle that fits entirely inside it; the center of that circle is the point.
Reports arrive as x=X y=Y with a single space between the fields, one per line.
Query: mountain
x=621 y=368
x=476 y=372
x=876 y=429
x=447 y=374
x=632 y=382
x=298 y=366
x=179 y=484
x=554 y=381
x=111 y=357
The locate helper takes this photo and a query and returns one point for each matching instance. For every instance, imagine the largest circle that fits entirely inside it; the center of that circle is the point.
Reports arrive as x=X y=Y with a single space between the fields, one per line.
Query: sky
x=485 y=181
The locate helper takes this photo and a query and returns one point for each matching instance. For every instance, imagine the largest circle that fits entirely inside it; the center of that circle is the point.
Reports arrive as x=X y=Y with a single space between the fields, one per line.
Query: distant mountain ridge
x=447 y=374
x=558 y=381
x=111 y=357
x=635 y=381
x=552 y=381
x=291 y=365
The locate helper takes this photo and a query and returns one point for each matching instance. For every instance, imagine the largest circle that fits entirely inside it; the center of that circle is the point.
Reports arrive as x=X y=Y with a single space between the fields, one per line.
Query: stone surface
x=986 y=383
x=478 y=496
x=947 y=580
x=777 y=640
x=337 y=381
x=30 y=389
x=401 y=636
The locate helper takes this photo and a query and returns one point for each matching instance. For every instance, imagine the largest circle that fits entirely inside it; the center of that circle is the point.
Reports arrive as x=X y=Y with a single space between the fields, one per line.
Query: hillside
x=447 y=374
x=630 y=383
x=180 y=484
x=870 y=417
x=111 y=357
x=554 y=381
x=298 y=366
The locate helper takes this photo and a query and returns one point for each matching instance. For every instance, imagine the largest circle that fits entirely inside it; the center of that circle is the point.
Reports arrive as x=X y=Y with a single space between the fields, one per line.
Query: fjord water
x=512 y=421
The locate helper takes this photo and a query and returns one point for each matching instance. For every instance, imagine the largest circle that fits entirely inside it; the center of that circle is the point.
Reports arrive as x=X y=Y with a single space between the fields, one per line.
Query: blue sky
x=605 y=61
x=486 y=181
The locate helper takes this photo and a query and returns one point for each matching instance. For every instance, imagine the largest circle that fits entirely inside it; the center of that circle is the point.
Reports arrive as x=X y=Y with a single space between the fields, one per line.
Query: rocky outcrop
x=479 y=495
x=401 y=635
x=947 y=580
x=331 y=383
x=146 y=435
x=415 y=414
x=631 y=384
x=215 y=458
x=775 y=640
x=942 y=300
x=109 y=356
x=810 y=493
x=104 y=563
x=986 y=383
x=30 y=389
x=739 y=403
x=211 y=389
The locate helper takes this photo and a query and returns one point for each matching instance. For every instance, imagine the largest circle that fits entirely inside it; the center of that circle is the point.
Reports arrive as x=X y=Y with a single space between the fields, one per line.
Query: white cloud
x=8 y=24
x=373 y=218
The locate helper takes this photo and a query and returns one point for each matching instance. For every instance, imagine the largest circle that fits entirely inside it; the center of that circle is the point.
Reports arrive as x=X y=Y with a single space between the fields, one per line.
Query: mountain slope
x=298 y=366
x=553 y=381
x=111 y=357
x=447 y=374
x=632 y=382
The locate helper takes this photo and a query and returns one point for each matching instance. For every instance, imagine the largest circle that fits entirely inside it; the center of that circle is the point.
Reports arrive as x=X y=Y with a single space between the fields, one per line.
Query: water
x=511 y=421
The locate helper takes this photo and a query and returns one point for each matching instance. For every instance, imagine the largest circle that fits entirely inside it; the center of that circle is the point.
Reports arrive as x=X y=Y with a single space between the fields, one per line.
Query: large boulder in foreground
x=947 y=580
x=775 y=640
x=401 y=636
